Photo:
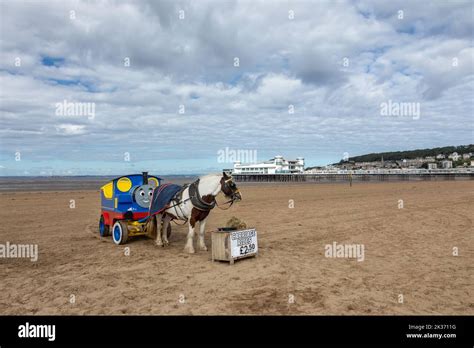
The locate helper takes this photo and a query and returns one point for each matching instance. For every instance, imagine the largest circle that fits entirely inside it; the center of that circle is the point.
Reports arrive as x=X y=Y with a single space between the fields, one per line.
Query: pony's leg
x=189 y=248
x=164 y=231
x=158 y=240
x=202 y=227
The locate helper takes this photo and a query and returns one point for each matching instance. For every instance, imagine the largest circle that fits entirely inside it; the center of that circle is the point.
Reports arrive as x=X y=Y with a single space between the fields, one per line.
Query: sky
x=116 y=87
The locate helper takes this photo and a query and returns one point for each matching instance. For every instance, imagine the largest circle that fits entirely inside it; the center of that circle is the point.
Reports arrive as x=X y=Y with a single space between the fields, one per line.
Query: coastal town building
x=411 y=163
x=435 y=163
x=276 y=165
x=447 y=164
x=454 y=156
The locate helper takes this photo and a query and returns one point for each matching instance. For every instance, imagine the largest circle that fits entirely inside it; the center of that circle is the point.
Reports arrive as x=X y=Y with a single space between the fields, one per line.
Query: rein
x=231 y=201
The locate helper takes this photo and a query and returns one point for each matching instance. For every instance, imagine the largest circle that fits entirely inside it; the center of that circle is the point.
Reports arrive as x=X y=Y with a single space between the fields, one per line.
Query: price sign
x=243 y=243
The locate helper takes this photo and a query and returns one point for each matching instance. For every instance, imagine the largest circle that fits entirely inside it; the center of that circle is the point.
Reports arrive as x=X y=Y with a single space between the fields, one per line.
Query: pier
x=331 y=178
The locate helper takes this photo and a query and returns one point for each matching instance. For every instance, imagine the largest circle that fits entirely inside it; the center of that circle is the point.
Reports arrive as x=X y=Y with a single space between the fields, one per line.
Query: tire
x=104 y=229
x=120 y=232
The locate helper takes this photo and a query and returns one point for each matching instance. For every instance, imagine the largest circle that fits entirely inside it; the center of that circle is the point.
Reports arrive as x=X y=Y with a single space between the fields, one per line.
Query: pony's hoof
x=166 y=243
x=160 y=244
x=203 y=248
x=189 y=250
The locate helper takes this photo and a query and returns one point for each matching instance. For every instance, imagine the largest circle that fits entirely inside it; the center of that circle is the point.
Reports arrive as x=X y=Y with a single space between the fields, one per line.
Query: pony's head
x=229 y=188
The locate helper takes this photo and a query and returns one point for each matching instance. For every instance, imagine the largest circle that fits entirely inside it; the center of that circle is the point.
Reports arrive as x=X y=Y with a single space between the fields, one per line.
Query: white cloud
x=70 y=129
x=190 y=62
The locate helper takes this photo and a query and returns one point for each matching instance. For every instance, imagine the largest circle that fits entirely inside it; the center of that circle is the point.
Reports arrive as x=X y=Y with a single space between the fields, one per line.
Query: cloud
x=70 y=129
x=167 y=90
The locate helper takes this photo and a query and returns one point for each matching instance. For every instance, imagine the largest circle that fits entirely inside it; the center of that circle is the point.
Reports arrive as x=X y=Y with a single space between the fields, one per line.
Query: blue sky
x=167 y=94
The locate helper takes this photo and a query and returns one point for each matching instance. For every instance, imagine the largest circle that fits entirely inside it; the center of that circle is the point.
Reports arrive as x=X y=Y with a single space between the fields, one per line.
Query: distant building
x=390 y=164
x=346 y=165
x=454 y=156
x=440 y=156
x=472 y=163
x=277 y=165
x=411 y=163
x=466 y=156
x=314 y=170
x=432 y=166
x=430 y=159
x=447 y=164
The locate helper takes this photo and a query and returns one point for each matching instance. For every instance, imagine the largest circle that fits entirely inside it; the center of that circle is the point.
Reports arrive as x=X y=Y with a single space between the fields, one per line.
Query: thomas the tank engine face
x=125 y=204
x=143 y=195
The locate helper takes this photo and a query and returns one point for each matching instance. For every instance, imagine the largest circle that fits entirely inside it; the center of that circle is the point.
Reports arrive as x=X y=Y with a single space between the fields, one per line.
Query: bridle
x=230 y=185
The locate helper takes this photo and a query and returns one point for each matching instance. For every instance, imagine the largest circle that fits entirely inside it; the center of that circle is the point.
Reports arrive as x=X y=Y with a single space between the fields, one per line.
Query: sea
x=68 y=183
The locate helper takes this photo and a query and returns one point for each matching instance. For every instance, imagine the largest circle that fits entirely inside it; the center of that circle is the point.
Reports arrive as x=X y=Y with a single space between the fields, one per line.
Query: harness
x=197 y=200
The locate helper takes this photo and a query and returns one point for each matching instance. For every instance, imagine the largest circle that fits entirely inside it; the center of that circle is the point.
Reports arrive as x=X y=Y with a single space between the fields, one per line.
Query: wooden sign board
x=230 y=245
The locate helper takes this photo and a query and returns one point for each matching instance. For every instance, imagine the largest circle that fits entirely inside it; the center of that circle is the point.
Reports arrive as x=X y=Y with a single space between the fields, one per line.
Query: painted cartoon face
x=143 y=195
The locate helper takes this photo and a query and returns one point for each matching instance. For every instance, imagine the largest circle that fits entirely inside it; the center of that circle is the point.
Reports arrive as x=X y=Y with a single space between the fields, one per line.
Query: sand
x=408 y=252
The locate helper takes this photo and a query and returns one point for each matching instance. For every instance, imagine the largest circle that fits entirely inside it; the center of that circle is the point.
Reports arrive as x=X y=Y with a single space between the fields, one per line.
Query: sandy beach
x=408 y=252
